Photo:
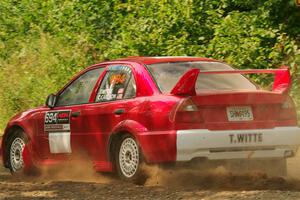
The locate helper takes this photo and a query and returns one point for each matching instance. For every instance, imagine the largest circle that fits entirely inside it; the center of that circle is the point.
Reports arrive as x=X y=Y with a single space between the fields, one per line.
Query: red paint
x=28 y=163
x=282 y=80
x=152 y=118
x=186 y=84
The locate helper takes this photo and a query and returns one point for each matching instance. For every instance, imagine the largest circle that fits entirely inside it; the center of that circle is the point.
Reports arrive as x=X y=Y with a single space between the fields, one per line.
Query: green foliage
x=43 y=43
x=37 y=69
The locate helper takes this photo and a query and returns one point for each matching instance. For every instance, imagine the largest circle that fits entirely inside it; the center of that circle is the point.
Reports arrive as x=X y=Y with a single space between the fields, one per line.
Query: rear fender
x=128 y=126
x=156 y=146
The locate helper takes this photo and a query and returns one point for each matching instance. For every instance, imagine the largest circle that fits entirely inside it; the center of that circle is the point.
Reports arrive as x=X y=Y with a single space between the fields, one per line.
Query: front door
x=60 y=128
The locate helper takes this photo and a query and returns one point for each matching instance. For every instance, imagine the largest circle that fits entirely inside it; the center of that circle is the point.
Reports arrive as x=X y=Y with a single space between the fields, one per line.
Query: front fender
x=11 y=128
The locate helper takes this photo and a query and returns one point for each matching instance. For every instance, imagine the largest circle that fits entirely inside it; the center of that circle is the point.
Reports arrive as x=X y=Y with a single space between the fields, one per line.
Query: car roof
x=162 y=59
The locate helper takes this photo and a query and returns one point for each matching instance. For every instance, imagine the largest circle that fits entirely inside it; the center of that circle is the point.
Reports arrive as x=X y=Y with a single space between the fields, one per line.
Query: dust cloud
x=219 y=177
x=78 y=169
x=203 y=175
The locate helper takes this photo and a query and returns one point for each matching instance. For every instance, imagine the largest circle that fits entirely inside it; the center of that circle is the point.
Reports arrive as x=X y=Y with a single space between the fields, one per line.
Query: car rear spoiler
x=187 y=82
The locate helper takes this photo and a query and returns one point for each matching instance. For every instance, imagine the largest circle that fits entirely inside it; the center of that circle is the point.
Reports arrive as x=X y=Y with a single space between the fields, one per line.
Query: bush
x=43 y=44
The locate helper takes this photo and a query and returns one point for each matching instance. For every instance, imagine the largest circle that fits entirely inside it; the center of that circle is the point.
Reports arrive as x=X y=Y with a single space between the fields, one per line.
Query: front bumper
x=278 y=142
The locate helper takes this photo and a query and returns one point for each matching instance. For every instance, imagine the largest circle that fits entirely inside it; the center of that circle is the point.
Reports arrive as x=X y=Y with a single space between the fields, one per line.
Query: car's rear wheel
x=129 y=159
x=16 y=145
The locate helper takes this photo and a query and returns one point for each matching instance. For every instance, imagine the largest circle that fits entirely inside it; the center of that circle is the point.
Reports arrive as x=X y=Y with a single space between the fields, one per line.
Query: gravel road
x=80 y=182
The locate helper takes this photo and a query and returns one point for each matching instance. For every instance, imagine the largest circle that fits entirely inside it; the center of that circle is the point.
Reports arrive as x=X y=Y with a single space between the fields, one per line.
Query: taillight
x=187 y=105
x=186 y=112
x=288 y=104
x=288 y=110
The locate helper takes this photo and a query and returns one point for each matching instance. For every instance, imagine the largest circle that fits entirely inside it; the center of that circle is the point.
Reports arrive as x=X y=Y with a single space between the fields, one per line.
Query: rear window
x=168 y=74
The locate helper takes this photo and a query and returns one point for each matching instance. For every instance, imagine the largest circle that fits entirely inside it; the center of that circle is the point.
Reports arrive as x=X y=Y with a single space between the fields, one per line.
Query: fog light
x=288 y=153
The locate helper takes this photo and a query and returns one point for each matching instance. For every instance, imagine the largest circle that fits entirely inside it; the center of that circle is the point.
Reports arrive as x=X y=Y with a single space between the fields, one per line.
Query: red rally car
x=157 y=110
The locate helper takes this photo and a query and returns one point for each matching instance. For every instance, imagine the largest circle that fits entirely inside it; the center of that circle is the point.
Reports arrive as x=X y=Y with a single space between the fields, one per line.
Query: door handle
x=75 y=114
x=119 y=111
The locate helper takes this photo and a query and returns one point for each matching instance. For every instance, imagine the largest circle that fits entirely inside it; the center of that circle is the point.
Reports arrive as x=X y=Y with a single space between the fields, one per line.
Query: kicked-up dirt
x=79 y=181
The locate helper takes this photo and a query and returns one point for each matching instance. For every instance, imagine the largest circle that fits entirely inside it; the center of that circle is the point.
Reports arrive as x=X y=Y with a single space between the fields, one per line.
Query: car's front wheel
x=128 y=160
x=15 y=149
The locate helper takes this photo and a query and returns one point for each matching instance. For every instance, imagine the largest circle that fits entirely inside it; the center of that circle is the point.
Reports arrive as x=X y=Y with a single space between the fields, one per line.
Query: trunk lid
x=236 y=109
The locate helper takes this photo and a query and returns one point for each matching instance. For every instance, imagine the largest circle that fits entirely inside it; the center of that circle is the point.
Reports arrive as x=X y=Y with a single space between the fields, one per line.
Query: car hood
x=26 y=113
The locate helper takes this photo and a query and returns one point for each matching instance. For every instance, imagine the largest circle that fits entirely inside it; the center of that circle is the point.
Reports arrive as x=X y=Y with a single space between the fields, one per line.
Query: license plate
x=239 y=113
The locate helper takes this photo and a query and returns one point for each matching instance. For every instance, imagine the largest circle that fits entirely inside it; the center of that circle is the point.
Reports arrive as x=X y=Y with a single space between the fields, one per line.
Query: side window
x=131 y=89
x=118 y=83
x=80 y=90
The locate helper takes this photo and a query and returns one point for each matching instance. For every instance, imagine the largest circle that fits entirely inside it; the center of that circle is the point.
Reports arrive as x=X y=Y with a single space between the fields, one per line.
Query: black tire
x=129 y=160
x=15 y=146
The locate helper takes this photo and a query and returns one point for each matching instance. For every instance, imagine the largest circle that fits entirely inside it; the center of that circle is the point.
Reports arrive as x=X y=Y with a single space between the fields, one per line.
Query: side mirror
x=51 y=100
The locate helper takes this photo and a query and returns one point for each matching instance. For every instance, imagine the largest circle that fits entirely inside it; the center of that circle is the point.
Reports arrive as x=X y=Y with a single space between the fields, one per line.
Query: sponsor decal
x=57 y=121
x=57 y=125
x=246 y=138
x=106 y=95
x=118 y=79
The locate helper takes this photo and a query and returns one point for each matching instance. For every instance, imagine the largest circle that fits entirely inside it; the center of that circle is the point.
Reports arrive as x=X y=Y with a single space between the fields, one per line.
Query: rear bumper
x=279 y=142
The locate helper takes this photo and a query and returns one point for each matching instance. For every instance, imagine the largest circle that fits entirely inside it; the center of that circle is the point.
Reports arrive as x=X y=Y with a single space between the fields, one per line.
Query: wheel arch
x=130 y=127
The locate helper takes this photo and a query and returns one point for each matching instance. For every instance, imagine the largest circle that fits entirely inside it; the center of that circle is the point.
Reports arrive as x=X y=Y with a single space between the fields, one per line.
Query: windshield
x=168 y=74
